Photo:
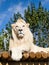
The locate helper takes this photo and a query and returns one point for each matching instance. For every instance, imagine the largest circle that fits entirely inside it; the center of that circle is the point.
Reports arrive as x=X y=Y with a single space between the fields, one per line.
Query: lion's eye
x=16 y=26
x=23 y=26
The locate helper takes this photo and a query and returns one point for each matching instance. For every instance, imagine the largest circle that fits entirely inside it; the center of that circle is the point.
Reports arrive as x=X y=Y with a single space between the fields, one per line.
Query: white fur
x=18 y=46
x=16 y=54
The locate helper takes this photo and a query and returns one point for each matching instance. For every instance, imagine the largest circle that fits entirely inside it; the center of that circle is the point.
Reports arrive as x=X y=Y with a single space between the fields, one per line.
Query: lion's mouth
x=20 y=35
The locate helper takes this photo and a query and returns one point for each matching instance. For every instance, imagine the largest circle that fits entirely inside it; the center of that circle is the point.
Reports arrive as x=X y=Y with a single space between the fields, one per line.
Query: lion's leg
x=35 y=49
x=24 y=47
x=16 y=54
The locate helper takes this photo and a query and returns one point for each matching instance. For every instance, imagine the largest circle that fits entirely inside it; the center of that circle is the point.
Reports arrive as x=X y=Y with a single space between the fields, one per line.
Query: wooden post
x=38 y=55
x=0 y=55
x=5 y=55
x=48 y=54
x=0 y=63
x=25 y=55
x=7 y=64
x=32 y=55
x=44 y=55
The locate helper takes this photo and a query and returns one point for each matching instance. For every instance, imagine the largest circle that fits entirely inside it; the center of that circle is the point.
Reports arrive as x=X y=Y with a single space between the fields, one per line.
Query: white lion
x=22 y=40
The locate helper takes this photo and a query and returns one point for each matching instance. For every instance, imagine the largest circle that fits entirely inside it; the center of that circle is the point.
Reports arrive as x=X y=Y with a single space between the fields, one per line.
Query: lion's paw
x=16 y=54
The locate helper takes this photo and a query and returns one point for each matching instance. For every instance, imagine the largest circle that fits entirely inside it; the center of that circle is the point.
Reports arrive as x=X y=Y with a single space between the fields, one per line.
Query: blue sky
x=9 y=7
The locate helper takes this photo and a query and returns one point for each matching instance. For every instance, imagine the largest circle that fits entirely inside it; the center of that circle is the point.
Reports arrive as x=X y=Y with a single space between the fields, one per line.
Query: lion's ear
x=12 y=25
x=27 y=24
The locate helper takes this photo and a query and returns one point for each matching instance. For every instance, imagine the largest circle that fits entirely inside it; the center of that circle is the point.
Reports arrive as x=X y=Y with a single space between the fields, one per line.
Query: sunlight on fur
x=22 y=40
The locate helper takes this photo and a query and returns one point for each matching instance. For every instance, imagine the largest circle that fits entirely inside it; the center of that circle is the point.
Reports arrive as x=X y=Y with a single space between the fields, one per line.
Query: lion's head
x=20 y=28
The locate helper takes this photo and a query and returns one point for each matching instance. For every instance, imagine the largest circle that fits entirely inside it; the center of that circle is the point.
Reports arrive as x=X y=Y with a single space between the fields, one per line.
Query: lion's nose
x=20 y=29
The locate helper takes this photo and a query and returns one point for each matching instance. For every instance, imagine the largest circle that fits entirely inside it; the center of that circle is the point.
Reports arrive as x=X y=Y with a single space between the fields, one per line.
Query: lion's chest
x=19 y=42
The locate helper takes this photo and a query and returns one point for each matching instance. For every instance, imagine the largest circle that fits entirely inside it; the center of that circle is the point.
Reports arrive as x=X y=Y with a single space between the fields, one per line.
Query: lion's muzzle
x=20 y=33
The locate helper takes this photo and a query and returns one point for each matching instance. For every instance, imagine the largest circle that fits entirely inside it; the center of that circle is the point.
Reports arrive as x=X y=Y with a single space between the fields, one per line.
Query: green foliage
x=39 y=22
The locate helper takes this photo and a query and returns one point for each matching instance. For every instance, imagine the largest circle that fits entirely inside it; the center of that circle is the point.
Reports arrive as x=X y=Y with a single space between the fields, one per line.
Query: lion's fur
x=24 y=44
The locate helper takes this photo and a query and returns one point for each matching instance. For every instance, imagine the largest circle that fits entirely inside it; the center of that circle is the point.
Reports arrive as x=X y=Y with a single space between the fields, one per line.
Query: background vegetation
x=39 y=25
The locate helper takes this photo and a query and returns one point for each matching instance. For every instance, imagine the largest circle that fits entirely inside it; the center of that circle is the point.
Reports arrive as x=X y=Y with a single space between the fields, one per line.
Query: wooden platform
x=40 y=58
